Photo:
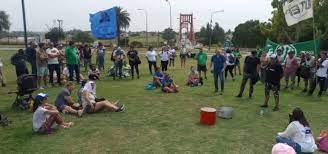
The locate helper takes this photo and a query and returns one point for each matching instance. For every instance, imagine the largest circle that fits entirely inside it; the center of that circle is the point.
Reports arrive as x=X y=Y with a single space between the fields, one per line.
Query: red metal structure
x=187 y=22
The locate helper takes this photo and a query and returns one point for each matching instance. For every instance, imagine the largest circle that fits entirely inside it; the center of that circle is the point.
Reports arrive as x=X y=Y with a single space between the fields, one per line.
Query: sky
x=41 y=14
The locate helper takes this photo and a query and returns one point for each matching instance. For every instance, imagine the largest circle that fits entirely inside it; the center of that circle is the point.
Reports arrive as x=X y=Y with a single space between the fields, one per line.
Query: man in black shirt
x=274 y=73
x=31 y=56
x=134 y=61
x=19 y=61
x=251 y=69
x=87 y=55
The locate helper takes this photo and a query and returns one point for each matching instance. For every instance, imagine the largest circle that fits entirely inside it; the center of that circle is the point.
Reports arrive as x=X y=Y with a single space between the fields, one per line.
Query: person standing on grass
x=19 y=61
x=151 y=56
x=72 y=61
x=308 y=71
x=280 y=57
x=87 y=56
x=238 y=56
x=264 y=63
x=201 y=62
x=230 y=61
x=290 y=68
x=251 y=69
x=101 y=56
x=172 y=56
x=46 y=117
x=42 y=65
x=61 y=57
x=31 y=56
x=274 y=73
x=321 y=74
x=2 y=80
x=64 y=100
x=183 y=56
x=119 y=56
x=218 y=61
x=53 y=63
x=134 y=61
x=164 y=58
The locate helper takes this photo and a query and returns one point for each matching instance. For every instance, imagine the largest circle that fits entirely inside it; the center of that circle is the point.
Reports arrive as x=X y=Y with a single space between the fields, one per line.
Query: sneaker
x=275 y=109
x=121 y=108
x=264 y=106
x=79 y=113
x=216 y=93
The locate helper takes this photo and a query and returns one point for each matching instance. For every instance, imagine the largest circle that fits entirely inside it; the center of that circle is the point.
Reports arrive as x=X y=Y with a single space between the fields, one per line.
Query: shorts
x=43 y=71
x=275 y=88
x=61 y=108
x=201 y=68
x=183 y=56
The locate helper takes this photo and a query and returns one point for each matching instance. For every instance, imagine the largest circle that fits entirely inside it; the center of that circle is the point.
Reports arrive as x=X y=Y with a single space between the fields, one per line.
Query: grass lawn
x=160 y=123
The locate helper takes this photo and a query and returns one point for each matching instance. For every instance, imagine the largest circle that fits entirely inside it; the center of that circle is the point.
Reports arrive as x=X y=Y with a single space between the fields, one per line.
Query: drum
x=207 y=116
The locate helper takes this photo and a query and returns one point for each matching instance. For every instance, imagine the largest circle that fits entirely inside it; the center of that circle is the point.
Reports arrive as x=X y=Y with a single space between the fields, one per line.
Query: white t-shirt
x=183 y=51
x=39 y=117
x=301 y=135
x=151 y=55
x=53 y=52
x=165 y=56
x=66 y=72
x=172 y=53
x=1 y=64
x=227 y=59
x=322 y=71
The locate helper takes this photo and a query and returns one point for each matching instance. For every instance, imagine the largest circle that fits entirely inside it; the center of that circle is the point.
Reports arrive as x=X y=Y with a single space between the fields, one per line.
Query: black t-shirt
x=31 y=54
x=132 y=55
x=273 y=74
x=87 y=53
x=251 y=64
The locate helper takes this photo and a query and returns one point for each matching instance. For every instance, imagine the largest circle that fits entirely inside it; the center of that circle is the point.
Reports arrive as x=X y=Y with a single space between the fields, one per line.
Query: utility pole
x=24 y=21
x=60 y=22
x=170 y=13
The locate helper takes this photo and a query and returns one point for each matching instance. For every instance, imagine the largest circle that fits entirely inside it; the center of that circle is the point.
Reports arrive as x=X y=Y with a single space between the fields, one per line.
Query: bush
x=136 y=44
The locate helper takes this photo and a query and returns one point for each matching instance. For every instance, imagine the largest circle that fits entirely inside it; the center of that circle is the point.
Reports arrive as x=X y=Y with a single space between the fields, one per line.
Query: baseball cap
x=40 y=97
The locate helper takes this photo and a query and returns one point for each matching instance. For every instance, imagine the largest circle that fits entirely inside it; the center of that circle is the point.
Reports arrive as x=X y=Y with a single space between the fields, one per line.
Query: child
x=46 y=117
x=1 y=74
x=158 y=77
x=94 y=72
x=168 y=84
x=193 y=78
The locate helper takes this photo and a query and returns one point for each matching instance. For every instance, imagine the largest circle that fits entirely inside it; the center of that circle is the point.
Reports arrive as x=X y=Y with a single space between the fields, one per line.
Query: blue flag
x=104 y=24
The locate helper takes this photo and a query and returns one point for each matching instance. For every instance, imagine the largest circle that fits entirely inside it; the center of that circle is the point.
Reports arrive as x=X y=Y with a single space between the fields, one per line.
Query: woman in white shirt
x=230 y=61
x=151 y=56
x=165 y=58
x=321 y=74
x=298 y=134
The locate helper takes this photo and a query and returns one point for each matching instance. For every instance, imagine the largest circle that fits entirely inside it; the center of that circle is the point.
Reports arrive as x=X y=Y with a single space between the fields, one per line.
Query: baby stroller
x=27 y=84
x=126 y=70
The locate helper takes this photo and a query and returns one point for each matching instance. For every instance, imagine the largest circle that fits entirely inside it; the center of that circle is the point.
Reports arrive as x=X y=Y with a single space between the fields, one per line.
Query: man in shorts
x=201 y=62
x=42 y=66
x=64 y=101
x=274 y=74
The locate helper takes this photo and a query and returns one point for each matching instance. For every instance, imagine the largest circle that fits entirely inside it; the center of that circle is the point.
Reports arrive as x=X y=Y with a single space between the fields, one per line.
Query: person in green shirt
x=72 y=61
x=201 y=62
x=237 y=55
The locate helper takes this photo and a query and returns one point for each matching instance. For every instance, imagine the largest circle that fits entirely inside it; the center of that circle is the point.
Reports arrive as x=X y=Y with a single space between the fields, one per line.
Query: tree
x=83 y=37
x=123 y=21
x=4 y=22
x=249 y=34
x=54 y=33
x=169 y=35
x=218 y=34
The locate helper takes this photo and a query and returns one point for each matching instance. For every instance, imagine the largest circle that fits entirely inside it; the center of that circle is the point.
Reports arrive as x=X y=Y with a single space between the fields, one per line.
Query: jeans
x=118 y=69
x=152 y=63
x=247 y=76
x=322 y=84
x=164 y=65
x=216 y=84
x=230 y=69
x=101 y=62
x=289 y=142
x=71 y=69
x=52 y=68
x=136 y=67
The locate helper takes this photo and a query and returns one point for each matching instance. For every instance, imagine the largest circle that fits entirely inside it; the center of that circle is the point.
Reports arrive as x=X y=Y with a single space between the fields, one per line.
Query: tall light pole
x=210 y=42
x=24 y=21
x=146 y=13
x=170 y=13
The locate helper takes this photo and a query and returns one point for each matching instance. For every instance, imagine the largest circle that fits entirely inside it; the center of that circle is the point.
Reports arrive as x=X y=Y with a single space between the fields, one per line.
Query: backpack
x=231 y=59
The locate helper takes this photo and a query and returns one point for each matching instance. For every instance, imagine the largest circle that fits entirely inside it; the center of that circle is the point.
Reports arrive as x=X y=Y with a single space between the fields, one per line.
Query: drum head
x=208 y=109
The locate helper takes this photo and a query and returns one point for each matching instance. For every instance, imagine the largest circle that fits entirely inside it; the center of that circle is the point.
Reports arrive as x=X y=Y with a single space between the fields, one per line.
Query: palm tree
x=123 y=21
x=4 y=22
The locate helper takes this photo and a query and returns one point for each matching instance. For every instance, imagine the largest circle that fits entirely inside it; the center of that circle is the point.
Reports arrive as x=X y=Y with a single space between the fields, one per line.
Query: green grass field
x=160 y=123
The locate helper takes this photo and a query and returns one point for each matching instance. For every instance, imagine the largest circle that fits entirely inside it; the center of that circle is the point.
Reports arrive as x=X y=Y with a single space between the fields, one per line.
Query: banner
x=309 y=46
x=104 y=24
x=297 y=10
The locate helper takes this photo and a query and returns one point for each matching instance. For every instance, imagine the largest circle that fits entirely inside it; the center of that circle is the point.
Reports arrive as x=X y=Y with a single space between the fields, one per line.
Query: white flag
x=297 y=10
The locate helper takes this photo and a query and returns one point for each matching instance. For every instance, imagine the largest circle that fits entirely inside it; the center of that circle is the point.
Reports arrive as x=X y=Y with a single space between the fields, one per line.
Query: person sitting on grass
x=65 y=103
x=158 y=77
x=193 y=78
x=93 y=71
x=168 y=84
x=46 y=117
x=298 y=134
x=91 y=104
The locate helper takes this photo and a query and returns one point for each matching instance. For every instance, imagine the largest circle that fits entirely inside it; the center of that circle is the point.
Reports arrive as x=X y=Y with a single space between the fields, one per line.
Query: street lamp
x=146 y=13
x=210 y=42
x=170 y=13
